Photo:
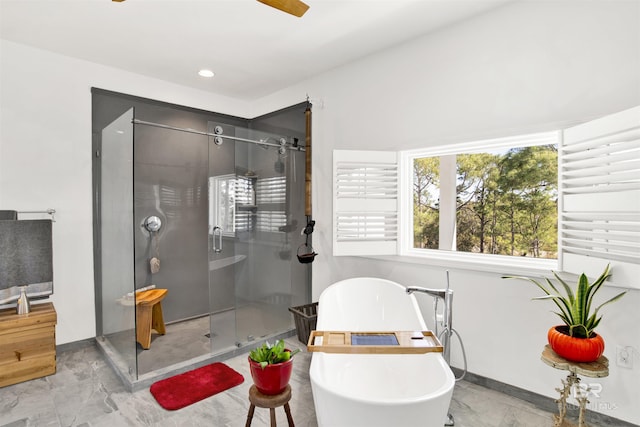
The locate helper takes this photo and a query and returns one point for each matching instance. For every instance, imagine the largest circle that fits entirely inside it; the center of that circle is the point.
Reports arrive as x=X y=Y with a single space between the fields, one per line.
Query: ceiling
x=253 y=49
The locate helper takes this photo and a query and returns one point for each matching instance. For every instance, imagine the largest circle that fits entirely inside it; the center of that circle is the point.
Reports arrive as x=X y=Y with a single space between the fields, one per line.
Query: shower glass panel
x=250 y=252
x=170 y=182
x=116 y=230
x=223 y=259
x=263 y=288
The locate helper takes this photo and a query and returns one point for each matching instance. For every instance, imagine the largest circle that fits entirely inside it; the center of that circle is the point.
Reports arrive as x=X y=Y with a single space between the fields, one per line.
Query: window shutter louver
x=365 y=203
x=600 y=184
x=271 y=197
x=244 y=201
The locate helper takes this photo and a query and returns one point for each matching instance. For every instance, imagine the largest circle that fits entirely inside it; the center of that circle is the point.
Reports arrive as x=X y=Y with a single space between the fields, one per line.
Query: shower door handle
x=217 y=248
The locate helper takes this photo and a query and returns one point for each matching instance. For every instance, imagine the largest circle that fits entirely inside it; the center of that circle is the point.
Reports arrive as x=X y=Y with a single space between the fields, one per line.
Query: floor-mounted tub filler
x=377 y=389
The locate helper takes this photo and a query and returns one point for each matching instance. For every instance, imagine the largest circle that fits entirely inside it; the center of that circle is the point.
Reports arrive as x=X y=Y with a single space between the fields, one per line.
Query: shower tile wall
x=170 y=181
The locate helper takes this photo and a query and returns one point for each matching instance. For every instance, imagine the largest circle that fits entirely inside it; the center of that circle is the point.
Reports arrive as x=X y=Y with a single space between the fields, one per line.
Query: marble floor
x=85 y=392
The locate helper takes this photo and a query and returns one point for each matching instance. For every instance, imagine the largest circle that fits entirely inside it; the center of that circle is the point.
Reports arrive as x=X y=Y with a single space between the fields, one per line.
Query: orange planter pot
x=575 y=349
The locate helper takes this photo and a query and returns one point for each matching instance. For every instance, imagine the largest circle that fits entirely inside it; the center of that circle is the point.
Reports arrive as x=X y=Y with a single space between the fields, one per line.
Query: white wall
x=45 y=158
x=527 y=67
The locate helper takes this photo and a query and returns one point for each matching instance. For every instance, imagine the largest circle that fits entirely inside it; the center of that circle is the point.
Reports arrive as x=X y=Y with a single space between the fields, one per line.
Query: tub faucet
x=445 y=295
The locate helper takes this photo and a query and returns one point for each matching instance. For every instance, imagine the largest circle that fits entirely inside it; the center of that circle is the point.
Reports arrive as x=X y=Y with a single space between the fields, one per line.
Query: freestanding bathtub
x=366 y=390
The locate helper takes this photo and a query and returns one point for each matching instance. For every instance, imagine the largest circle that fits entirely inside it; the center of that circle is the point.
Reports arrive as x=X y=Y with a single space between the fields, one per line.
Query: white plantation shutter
x=271 y=190
x=365 y=202
x=600 y=205
x=244 y=202
x=271 y=197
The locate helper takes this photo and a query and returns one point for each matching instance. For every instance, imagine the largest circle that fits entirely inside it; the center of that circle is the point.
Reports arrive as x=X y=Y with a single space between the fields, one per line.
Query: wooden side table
x=27 y=344
x=597 y=369
x=270 y=401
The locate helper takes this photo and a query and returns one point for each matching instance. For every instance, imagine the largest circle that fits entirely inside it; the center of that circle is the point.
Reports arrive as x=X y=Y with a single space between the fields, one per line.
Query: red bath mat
x=193 y=386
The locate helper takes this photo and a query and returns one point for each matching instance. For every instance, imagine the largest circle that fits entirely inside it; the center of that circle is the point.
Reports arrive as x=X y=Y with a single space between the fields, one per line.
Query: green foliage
x=426 y=180
x=268 y=354
x=575 y=306
x=506 y=202
x=528 y=185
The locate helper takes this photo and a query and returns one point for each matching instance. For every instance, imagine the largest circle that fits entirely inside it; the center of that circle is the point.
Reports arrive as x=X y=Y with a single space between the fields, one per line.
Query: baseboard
x=75 y=345
x=542 y=402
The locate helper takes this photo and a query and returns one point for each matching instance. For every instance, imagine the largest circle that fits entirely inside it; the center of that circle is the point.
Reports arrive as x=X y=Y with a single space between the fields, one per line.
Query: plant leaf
x=566 y=287
x=596 y=285
x=617 y=297
x=575 y=308
x=579 y=315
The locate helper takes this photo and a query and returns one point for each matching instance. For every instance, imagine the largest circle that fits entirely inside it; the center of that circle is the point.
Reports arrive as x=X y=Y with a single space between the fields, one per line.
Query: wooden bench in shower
x=149 y=315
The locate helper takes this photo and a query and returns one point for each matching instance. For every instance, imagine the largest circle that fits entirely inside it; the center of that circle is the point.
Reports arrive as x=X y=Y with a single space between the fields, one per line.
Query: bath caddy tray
x=398 y=342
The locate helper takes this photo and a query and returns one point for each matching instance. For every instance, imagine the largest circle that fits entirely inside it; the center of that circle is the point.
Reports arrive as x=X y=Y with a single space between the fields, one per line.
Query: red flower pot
x=575 y=349
x=273 y=379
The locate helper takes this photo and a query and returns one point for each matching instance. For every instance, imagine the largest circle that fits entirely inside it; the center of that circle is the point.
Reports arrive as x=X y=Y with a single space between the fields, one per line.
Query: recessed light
x=206 y=73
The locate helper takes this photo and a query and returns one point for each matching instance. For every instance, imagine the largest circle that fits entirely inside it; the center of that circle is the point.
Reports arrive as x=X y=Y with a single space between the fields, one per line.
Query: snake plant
x=268 y=354
x=575 y=306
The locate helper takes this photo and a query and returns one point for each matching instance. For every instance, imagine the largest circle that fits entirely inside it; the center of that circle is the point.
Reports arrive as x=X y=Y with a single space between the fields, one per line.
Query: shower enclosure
x=212 y=215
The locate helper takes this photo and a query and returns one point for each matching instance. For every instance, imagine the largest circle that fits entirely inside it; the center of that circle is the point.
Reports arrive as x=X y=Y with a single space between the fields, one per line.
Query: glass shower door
x=263 y=284
x=221 y=235
x=116 y=242
x=249 y=239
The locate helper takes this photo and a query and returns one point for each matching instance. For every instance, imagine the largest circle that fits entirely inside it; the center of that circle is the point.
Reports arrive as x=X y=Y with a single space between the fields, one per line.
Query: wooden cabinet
x=27 y=344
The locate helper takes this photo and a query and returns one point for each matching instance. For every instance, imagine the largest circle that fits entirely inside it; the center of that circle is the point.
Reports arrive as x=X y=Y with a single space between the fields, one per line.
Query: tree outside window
x=506 y=202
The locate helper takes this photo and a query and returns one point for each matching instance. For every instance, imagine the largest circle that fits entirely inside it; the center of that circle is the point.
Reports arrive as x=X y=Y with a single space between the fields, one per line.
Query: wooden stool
x=149 y=315
x=270 y=401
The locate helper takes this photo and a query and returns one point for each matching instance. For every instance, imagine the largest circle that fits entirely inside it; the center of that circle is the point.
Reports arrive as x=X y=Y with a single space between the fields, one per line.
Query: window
x=496 y=197
x=223 y=191
x=518 y=202
x=247 y=203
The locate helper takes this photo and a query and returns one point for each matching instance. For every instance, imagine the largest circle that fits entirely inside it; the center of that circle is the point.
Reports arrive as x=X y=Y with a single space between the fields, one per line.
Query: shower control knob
x=152 y=223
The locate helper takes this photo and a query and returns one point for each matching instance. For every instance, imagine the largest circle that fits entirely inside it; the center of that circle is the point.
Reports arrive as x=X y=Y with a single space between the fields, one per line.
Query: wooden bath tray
x=398 y=342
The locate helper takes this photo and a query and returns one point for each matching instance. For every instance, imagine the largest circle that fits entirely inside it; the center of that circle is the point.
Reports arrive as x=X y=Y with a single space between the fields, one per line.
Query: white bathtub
x=377 y=390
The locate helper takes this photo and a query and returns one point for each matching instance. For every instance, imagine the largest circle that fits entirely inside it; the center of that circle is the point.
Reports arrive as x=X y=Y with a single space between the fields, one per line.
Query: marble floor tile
x=85 y=392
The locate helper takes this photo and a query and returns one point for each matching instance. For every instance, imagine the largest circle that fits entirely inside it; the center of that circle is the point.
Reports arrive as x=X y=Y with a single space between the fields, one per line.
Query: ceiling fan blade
x=293 y=7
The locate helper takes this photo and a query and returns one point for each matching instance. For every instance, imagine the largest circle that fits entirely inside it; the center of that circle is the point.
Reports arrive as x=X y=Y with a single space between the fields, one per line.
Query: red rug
x=191 y=387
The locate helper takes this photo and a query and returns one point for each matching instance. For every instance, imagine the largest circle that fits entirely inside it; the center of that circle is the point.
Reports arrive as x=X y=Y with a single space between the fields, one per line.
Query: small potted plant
x=576 y=340
x=271 y=367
